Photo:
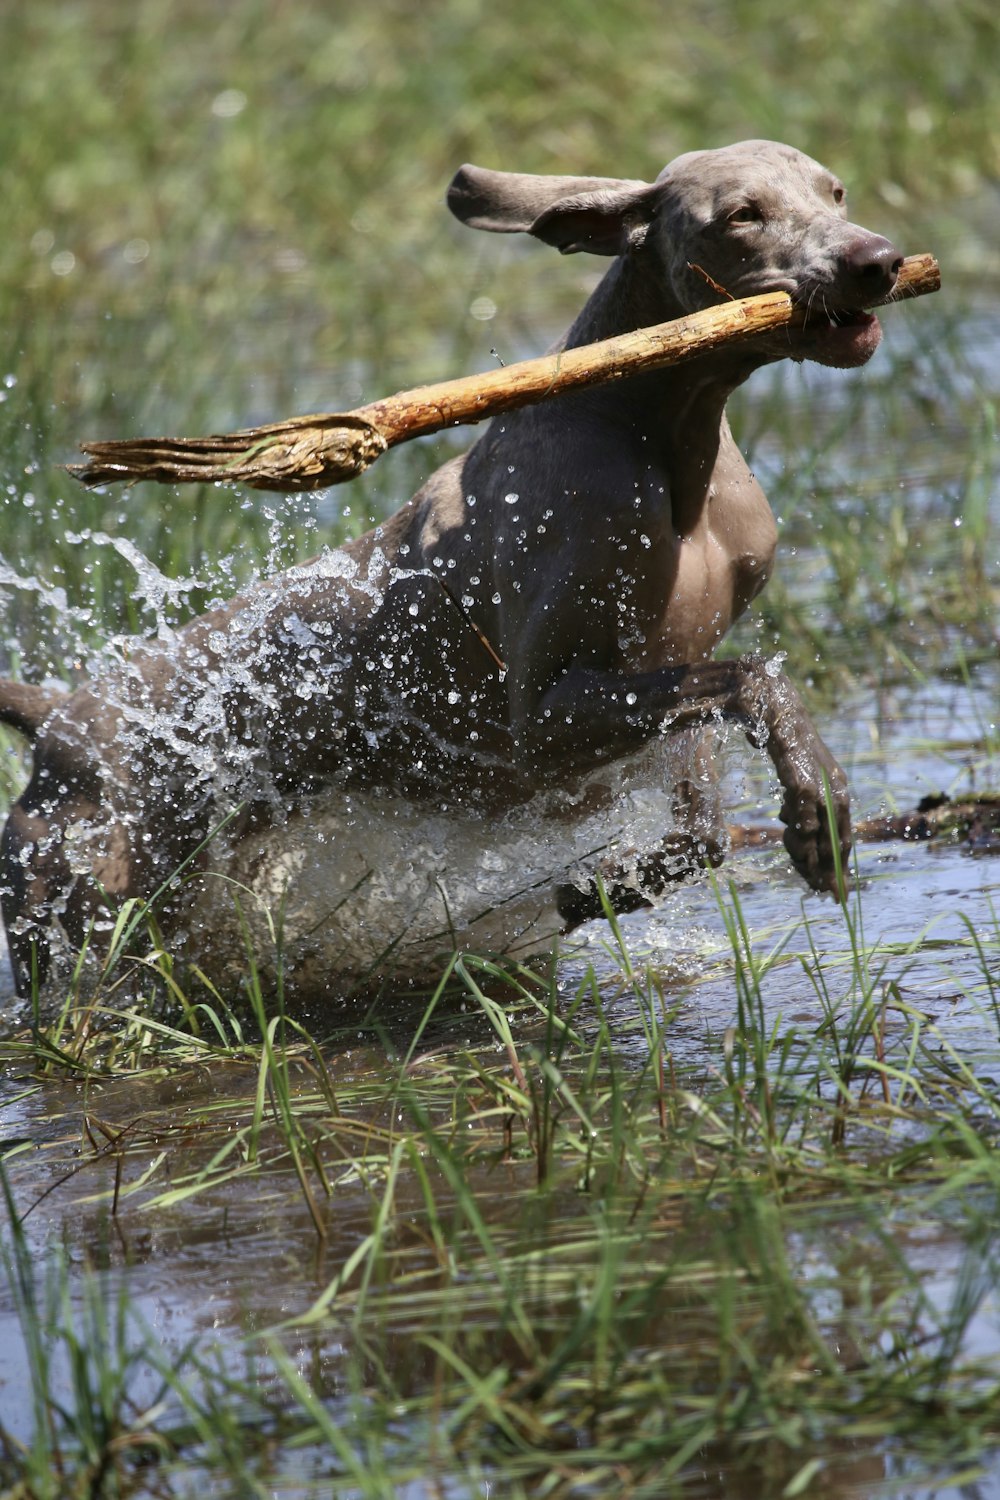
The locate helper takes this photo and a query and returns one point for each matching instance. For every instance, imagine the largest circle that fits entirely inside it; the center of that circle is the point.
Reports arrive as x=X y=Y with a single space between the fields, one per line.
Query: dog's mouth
x=840 y=336
x=848 y=317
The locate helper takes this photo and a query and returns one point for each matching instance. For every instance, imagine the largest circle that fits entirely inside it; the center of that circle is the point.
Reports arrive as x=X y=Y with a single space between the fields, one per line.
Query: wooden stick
x=973 y=821
x=309 y=453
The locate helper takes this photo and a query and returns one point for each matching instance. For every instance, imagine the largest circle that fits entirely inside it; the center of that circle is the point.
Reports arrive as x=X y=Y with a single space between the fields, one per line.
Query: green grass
x=571 y=1264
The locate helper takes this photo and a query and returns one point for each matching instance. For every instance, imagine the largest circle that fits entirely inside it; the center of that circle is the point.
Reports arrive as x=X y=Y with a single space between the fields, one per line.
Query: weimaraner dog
x=600 y=544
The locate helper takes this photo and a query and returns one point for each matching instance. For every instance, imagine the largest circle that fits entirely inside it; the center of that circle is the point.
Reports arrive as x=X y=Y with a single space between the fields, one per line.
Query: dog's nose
x=873 y=264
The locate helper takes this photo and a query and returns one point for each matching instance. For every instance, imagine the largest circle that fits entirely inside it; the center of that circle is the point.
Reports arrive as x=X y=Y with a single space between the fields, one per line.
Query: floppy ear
x=603 y=215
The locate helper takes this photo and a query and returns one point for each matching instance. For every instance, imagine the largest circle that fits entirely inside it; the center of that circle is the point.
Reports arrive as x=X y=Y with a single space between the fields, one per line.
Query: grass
x=214 y=219
x=544 y=1258
x=97 y=1385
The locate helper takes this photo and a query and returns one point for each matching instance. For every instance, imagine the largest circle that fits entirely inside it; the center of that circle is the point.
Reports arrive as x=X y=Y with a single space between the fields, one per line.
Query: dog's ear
x=602 y=215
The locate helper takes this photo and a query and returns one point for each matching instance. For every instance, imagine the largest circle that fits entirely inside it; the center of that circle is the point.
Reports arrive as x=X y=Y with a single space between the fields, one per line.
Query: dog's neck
x=629 y=297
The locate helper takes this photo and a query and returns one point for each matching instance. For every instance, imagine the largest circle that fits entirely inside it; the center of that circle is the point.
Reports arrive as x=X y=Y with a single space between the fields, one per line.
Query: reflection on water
x=896 y=752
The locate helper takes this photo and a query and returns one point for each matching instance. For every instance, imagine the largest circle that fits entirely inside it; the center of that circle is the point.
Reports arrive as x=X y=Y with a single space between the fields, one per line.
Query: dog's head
x=754 y=217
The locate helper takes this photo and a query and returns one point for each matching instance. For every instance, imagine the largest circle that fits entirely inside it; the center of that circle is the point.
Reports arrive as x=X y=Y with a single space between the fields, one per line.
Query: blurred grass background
x=219 y=214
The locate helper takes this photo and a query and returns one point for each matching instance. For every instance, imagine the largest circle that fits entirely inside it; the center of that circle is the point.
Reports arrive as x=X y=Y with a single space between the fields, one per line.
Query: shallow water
x=231 y=1260
x=915 y=900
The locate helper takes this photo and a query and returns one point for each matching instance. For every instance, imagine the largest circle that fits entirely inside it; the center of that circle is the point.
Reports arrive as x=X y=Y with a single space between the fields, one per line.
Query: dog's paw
x=816 y=812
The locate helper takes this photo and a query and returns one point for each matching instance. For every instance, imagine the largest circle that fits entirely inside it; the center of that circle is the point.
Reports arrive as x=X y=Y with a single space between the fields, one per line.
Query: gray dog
x=600 y=544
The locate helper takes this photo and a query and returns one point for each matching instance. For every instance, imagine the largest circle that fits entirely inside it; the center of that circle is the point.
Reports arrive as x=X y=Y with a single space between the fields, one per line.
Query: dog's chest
x=690 y=587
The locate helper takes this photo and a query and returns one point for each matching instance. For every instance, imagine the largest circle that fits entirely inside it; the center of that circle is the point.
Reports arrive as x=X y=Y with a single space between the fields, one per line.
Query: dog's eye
x=747 y=213
x=839 y=195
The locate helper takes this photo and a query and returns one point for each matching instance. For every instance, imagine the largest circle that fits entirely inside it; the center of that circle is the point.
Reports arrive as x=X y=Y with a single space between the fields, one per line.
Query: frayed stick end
x=307 y=454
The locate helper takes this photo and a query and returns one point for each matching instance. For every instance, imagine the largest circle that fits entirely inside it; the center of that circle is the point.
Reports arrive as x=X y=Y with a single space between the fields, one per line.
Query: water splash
x=332 y=882
x=354 y=886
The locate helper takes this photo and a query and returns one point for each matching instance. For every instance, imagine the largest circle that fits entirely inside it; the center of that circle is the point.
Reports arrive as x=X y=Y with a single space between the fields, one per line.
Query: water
x=917 y=901
x=227 y=1260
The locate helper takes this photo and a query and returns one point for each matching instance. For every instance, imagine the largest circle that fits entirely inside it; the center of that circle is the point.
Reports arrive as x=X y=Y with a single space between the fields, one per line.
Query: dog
x=545 y=607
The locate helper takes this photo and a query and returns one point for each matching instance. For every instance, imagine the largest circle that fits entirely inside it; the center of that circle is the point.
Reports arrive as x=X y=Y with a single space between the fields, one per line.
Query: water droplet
x=512 y=498
x=228 y=104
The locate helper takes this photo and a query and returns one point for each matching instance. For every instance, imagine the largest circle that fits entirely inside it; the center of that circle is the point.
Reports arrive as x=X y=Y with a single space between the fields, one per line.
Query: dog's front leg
x=590 y=716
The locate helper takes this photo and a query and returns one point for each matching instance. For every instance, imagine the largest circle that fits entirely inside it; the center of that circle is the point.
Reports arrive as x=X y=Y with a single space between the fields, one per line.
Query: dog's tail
x=24 y=707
